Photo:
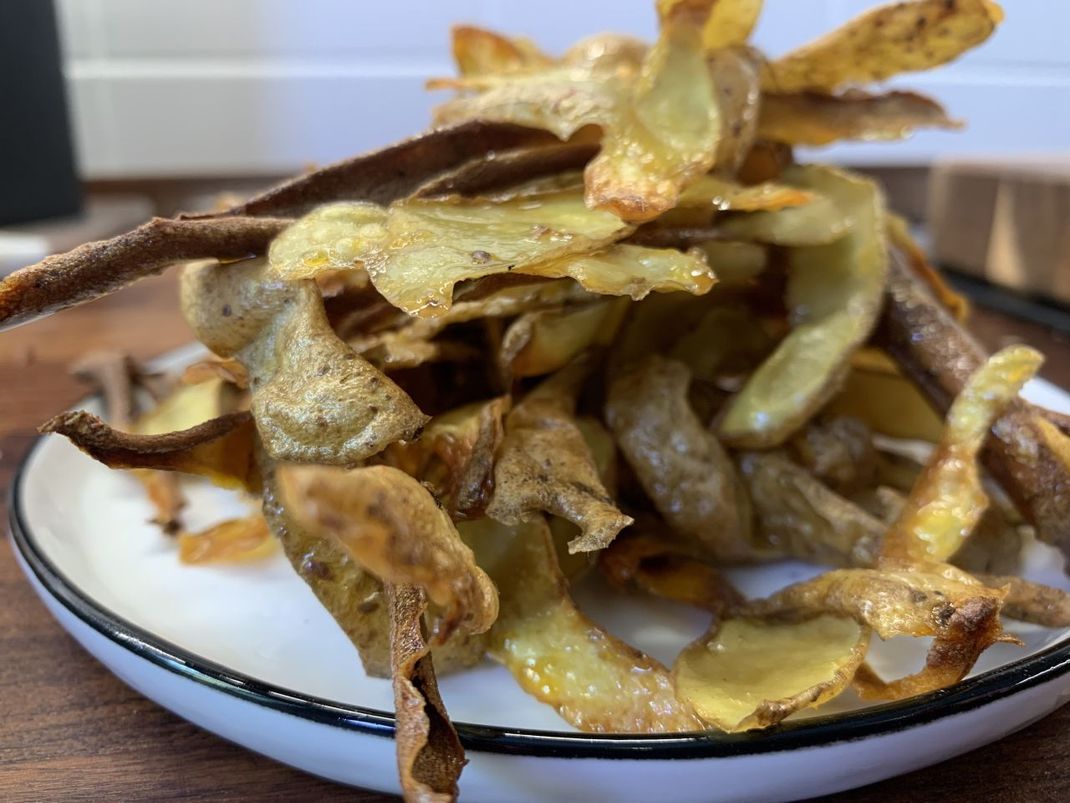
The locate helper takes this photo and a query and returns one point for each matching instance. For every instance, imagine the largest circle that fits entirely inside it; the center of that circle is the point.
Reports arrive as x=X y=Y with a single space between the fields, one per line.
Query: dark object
x=37 y=172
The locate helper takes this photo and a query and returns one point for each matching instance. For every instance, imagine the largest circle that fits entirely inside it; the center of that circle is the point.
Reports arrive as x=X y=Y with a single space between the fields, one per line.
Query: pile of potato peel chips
x=600 y=321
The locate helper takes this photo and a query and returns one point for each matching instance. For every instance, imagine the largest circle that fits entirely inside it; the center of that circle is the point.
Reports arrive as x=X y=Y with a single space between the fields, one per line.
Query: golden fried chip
x=801 y=517
x=680 y=464
x=429 y=753
x=454 y=456
x=223 y=449
x=655 y=564
x=633 y=270
x=752 y=673
x=819 y=222
x=595 y=681
x=539 y=343
x=314 y=400
x=835 y=293
x=1027 y=455
x=481 y=52
x=544 y=465
x=947 y=500
x=391 y=525
x=725 y=22
x=665 y=134
x=937 y=600
x=417 y=250
x=719 y=194
x=1031 y=602
x=231 y=541
x=814 y=118
x=884 y=41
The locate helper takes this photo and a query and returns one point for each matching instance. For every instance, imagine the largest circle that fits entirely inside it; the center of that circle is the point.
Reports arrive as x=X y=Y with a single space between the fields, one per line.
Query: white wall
x=201 y=87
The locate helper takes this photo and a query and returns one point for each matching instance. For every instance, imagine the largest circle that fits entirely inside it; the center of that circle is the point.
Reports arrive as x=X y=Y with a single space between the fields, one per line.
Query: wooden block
x=1006 y=221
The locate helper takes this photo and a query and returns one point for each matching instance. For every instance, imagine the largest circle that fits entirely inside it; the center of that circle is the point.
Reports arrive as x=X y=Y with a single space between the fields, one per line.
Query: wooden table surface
x=69 y=730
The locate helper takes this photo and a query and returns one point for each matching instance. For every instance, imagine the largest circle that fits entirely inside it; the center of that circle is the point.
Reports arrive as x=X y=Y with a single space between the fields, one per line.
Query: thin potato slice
x=633 y=270
x=231 y=541
x=596 y=682
x=222 y=450
x=680 y=464
x=819 y=222
x=720 y=194
x=948 y=499
x=481 y=52
x=734 y=72
x=416 y=250
x=813 y=118
x=429 y=753
x=314 y=400
x=935 y=600
x=657 y=565
x=389 y=523
x=666 y=133
x=539 y=343
x=884 y=41
x=545 y=465
x=726 y=23
x=799 y=516
x=752 y=673
x=1028 y=456
x=735 y=262
x=835 y=293
x=454 y=456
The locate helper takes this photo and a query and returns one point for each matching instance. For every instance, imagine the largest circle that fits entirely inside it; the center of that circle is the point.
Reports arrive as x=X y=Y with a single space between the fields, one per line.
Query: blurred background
x=171 y=102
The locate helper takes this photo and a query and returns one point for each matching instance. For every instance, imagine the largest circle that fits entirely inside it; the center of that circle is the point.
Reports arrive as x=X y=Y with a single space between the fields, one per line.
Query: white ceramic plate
x=248 y=653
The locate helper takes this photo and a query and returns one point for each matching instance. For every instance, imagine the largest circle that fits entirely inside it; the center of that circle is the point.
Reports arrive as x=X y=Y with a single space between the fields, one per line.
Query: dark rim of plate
x=969 y=694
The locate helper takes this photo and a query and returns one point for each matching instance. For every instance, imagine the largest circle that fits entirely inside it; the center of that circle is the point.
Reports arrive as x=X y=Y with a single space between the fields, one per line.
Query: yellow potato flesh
x=884 y=41
x=752 y=673
x=595 y=681
x=948 y=499
x=834 y=293
x=416 y=250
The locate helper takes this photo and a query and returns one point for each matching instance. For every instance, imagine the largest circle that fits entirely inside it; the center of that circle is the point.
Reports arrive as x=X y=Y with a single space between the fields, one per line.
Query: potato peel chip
x=835 y=293
x=948 y=500
x=417 y=250
x=801 y=517
x=596 y=682
x=478 y=51
x=931 y=600
x=752 y=673
x=222 y=450
x=429 y=752
x=722 y=195
x=544 y=465
x=813 y=118
x=1029 y=459
x=680 y=464
x=884 y=41
x=314 y=400
x=389 y=523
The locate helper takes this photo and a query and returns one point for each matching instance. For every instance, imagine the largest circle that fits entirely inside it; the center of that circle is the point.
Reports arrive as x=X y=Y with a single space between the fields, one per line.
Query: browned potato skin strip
x=1031 y=602
x=352 y=596
x=96 y=269
x=390 y=524
x=814 y=118
x=385 y=175
x=221 y=449
x=483 y=175
x=544 y=464
x=680 y=464
x=429 y=753
x=940 y=356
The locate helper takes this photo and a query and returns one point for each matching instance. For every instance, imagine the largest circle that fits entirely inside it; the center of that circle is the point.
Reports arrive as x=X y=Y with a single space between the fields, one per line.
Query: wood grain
x=69 y=730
